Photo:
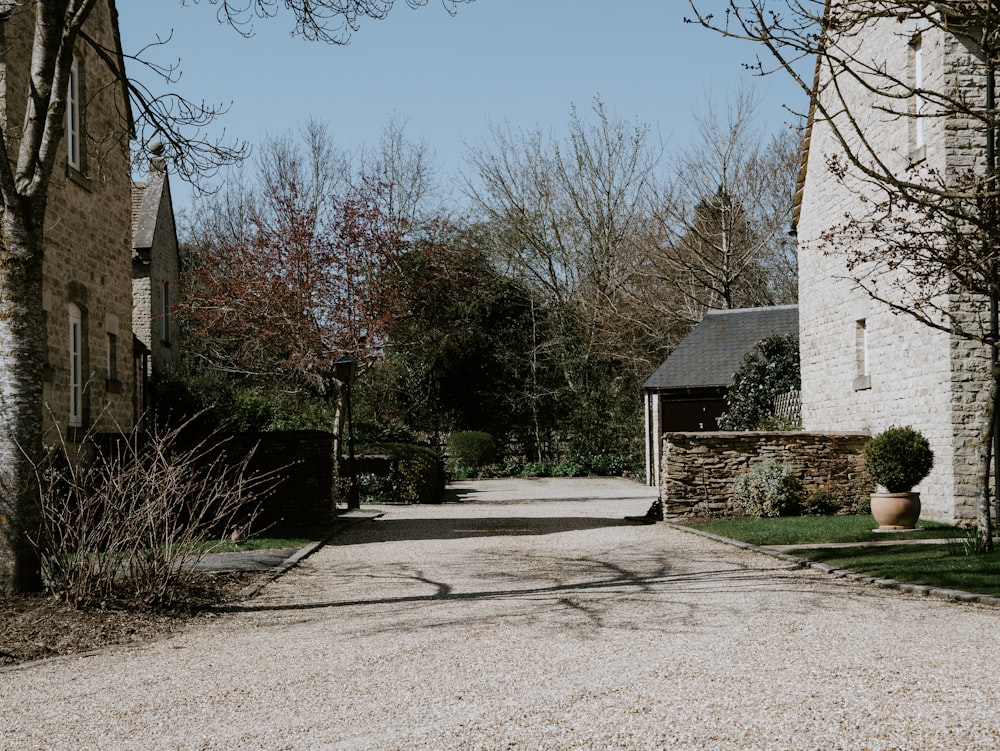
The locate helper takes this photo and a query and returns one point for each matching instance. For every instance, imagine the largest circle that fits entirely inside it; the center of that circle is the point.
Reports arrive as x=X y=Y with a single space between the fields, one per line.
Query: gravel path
x=544 y=624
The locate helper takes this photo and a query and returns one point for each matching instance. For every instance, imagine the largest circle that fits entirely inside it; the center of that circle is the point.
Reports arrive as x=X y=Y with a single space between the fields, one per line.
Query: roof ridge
x=748 y=310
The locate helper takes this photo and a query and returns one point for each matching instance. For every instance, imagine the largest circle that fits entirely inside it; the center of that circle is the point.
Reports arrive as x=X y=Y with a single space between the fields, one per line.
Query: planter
x=895 y=511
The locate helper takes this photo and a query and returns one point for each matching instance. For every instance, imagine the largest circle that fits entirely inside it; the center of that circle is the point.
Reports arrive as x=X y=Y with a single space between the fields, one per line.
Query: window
x=112 y=357
x=165 y=311
x=919 y=105
x=74 y=131
x=75 y=366
x=862 y=378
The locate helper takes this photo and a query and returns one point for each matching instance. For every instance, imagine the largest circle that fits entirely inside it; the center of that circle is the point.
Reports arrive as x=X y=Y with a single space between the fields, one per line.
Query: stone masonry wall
x=159 y=272
x=896 y=371
x=699 y=469
x=87 y=231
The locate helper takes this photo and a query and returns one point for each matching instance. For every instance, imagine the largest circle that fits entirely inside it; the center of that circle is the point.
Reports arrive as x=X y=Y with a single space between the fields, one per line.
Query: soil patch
x=37 y=626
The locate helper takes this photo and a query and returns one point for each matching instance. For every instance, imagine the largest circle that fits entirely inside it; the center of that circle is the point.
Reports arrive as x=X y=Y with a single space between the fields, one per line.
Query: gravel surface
x=543 y=624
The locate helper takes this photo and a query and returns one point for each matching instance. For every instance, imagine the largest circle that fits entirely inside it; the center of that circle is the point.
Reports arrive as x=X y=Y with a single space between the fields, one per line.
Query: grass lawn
x=278 y=536
x=793 y=530
x=944 y=565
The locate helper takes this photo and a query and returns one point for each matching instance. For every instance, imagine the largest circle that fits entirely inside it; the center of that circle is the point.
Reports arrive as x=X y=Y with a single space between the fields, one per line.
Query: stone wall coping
x=758 y=433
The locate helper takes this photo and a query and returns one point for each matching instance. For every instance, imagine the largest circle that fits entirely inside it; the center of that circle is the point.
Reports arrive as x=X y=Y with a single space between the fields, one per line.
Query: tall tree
x=458 y=345
x=292 y=273
x=570 y=220
x=921 y=235
x=28 y=151
x=725 y=220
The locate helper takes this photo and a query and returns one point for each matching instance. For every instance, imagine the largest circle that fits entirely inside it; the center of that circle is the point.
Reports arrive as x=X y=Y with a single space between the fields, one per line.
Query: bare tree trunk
x=21 y=358
x=984 y=520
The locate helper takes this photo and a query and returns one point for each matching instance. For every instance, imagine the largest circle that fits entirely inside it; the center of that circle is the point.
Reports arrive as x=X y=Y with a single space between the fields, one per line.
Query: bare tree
x=921 y=236
x=28 y=155
x=570 y=220
x=407 y=169
x=724 y=223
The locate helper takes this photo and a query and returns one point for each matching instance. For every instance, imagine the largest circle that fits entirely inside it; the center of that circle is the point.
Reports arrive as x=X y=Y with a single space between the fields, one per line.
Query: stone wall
x=87 y=231
x=699 y=469
x=304 y=461
x=865 y=368
x=155 y=268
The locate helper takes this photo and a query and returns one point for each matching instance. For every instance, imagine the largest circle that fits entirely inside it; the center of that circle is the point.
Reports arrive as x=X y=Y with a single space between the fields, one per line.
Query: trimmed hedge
x=471 y=448
x=418 y=471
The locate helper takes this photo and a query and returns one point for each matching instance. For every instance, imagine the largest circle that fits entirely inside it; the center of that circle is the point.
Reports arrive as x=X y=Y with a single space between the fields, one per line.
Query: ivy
x=767 y=371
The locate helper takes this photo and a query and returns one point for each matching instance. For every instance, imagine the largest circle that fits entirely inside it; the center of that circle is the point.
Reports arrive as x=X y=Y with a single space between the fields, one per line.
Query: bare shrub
x=128 y=520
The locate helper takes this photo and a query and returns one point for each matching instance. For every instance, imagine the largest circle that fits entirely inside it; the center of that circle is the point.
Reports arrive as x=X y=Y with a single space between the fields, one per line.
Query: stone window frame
x=75 y=351
x=78 y=297
x=75 y=136
x=862 y=360
x=918 y=104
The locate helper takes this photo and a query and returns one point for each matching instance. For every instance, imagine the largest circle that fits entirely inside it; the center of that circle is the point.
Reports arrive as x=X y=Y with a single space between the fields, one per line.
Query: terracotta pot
x=894 y=511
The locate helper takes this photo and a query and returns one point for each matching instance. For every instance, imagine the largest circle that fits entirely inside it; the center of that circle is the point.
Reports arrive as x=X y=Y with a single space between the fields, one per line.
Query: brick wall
x=699 y=469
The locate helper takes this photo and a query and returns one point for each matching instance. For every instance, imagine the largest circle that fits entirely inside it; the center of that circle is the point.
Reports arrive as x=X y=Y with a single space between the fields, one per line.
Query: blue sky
x=522 y=61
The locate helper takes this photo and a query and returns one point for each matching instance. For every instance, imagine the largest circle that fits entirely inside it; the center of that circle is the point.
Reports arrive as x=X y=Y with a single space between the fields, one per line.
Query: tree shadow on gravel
x=472 y=496
x=591 y=576
x=450 y=528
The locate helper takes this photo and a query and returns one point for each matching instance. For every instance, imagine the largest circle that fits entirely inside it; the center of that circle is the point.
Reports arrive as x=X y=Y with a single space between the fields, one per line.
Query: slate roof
x=145 y=209
x=710 y=355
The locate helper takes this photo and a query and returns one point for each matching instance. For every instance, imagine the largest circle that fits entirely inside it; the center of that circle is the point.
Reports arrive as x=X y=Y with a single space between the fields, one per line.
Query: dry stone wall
x=699 y=469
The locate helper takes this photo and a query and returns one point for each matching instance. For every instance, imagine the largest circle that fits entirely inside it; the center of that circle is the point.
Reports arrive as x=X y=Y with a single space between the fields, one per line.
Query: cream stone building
x=865 y=368
x=88 y=375
x=155 y=275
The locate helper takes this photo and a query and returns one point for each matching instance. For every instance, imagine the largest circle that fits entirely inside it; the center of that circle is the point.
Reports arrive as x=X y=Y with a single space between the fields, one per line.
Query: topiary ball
x=898 y=458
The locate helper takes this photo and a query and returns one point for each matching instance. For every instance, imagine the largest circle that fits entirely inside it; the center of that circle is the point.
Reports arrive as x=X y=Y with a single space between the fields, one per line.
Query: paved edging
x=342 y=524
x=924 y=590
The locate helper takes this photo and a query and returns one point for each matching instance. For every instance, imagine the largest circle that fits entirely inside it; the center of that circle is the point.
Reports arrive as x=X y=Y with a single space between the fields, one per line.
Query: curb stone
x=953 y=595
x=342 y=523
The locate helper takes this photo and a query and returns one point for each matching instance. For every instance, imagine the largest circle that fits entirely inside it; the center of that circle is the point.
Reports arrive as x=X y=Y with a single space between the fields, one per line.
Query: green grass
x=932 y=565
x=793 y=530
x=944 y=565
x=279 y=536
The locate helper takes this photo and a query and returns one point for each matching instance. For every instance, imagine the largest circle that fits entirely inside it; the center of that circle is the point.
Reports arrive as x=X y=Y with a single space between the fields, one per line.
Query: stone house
x=865 y=368
x=88 y=378
x=155 y=275
x=687 y=392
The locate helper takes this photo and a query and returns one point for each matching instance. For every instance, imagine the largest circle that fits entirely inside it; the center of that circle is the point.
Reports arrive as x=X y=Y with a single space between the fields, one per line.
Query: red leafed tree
x=303 y=283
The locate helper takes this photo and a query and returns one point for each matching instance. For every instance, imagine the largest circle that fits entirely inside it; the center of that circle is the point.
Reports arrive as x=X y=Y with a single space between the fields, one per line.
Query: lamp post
x=346 y=367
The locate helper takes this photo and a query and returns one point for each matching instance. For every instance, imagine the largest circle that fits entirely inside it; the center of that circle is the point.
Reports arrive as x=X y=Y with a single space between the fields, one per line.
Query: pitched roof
x=710 y=355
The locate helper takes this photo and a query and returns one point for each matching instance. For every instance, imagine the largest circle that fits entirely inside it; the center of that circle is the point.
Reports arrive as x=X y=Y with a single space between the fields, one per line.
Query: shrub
x=769 y=488
x=419 y=476
x=823 y=502
x=898 y=458
x=770 y=369
x=537 y=469
x=129 y=521
x=471 y=449
x=568 y=468
x=605 y=465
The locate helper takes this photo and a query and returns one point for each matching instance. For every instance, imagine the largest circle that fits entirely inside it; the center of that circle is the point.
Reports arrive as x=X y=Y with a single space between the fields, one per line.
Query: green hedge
x=471 y=448
x=419 y=475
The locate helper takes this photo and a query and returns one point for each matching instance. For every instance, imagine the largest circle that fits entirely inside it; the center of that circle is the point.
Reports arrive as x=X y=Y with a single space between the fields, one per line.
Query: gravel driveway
x=543 y=623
